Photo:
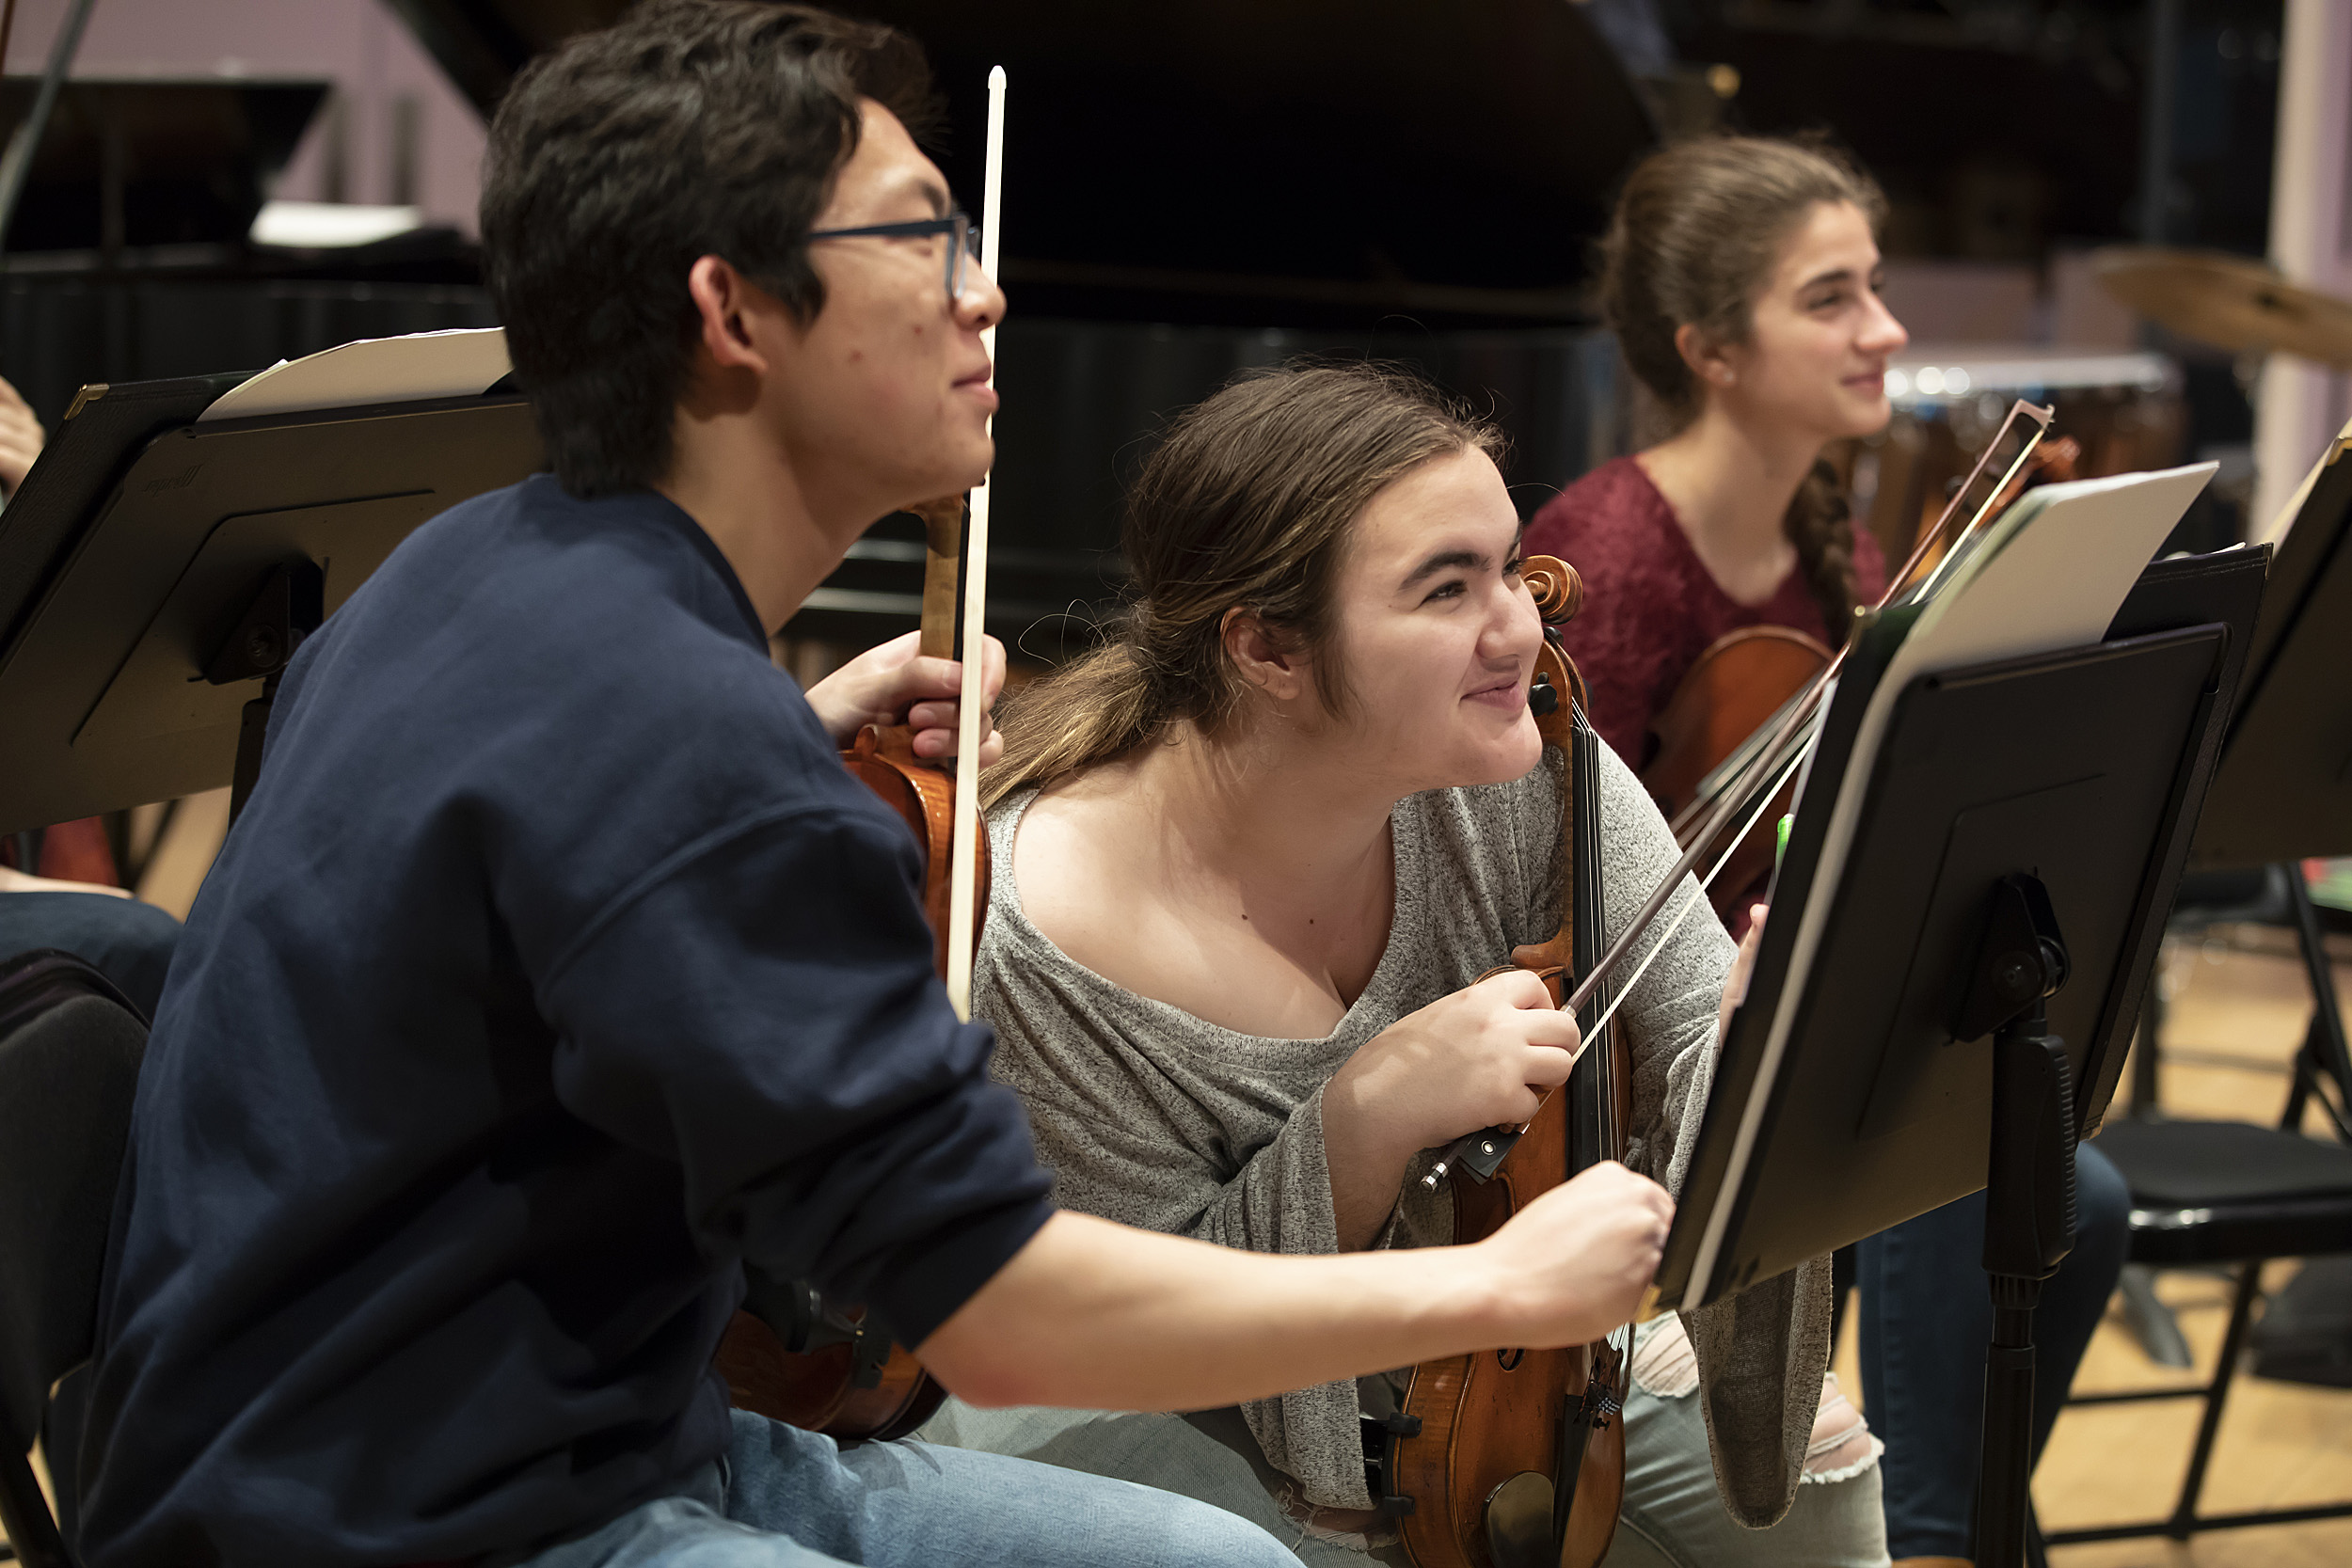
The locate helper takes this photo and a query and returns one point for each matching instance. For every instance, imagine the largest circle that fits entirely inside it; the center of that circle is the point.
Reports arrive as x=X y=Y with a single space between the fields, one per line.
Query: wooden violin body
x=923 y=795
x=828 y=1369
x=1730 y=692
x=1515 y=1457
x=850 y=1383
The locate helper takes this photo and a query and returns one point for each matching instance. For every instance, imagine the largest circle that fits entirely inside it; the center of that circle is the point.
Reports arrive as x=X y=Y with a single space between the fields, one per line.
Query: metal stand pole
x=17 y=163
x=2030 y=1189
x=2028 y=1230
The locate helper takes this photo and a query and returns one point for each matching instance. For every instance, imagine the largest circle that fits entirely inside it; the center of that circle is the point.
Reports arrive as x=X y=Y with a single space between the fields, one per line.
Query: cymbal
x=2231 y=302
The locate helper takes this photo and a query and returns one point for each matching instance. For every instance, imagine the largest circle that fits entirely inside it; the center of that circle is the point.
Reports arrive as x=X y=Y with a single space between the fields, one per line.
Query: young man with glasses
x=556 y=969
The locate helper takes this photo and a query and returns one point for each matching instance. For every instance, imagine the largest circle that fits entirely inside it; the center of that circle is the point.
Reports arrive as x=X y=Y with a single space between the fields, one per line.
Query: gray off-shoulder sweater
x=1152 y=1117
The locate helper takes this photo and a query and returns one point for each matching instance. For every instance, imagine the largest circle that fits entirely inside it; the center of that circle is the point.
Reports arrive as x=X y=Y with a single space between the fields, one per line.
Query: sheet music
x=2275 y=530
x=462 y=362
x=2049 y=574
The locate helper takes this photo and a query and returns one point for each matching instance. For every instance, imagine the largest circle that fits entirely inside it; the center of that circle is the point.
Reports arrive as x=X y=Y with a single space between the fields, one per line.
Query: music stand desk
x=2284 y=788
x=138 y=550
x=2077 y=772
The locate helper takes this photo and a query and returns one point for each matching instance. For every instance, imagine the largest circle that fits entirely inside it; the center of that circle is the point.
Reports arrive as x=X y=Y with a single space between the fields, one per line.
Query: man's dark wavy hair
x=692 y=128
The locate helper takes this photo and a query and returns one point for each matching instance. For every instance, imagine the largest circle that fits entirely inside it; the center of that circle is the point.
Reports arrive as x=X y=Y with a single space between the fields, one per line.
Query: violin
x=822 y=1367
x=1732 y=691
x=1713 y=727
x=1515 y=1457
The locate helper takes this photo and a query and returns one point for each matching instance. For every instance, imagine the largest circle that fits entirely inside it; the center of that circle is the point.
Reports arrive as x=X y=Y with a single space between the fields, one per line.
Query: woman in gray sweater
x=1250 y=861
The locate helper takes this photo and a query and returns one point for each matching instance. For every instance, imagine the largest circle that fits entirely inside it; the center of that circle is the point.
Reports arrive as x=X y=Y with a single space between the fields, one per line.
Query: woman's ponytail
x=1096 y=708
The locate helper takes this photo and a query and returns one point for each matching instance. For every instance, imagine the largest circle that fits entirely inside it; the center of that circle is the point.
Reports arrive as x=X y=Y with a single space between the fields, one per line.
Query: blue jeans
x=1674 y=1516
x=127 y=941
x=788 y=1498
x=1925 y=1316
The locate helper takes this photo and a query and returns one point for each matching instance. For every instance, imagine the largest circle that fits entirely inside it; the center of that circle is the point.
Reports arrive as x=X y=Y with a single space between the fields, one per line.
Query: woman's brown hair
x=1697 y=235
x=1244 y=504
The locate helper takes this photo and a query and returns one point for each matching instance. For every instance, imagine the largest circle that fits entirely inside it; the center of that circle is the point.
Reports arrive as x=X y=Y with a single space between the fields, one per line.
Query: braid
x=1820 y=525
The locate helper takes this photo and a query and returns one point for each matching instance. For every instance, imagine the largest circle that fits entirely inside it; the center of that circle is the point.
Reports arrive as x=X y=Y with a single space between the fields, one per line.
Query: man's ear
x=726 y=303
x=1261 y=657
x=1707 y=359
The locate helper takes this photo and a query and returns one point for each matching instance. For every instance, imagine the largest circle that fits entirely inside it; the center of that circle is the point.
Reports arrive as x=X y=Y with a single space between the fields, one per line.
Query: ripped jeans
x=1673 y=1517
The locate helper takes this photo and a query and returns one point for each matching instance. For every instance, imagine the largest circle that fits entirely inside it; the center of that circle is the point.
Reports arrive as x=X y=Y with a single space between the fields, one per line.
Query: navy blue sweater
x=554 y=969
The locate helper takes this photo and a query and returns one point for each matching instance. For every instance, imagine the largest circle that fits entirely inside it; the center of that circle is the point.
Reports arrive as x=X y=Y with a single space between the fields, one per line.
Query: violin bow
x=1773 y=763
x=2040 y=417
x=1777 y=751
x=964 y=881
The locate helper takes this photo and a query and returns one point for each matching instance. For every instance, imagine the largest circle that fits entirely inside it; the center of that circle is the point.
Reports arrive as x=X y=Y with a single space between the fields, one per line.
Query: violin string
x=1697 y=899
x=1782 y=764
x=1727 y=773
x=1586 y=992
x=1785 y=747
x=1614 y=1002
x=1789 y=720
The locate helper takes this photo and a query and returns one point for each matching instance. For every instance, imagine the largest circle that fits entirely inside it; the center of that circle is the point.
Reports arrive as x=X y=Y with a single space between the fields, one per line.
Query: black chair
x=70 y=1048
x=2229 y=1193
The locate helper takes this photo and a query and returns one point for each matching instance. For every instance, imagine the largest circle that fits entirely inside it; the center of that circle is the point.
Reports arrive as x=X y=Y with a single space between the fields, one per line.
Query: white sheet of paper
x=2052 y=578
x=2275 y=530
x=463 y=362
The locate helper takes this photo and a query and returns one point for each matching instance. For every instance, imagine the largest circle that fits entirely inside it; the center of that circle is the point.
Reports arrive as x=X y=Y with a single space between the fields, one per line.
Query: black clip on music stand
x=157 y=571
x=2007 y=875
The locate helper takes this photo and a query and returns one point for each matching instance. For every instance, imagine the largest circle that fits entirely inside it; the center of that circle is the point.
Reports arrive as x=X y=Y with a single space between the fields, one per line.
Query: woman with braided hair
x=1740 y=274
x=1740 y=277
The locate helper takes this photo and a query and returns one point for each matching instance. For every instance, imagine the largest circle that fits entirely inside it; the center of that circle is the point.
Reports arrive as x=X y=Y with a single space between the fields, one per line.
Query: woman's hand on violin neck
x=1572 y=1265
x=1482 y=1057
x=893 y=684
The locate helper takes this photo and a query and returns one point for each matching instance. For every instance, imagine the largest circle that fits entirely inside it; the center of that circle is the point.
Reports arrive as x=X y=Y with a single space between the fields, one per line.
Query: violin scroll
x=1559 y=593
x=1559 y=589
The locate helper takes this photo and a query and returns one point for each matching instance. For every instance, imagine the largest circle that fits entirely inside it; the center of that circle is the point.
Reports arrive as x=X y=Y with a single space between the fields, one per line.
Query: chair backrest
x=69 y=1048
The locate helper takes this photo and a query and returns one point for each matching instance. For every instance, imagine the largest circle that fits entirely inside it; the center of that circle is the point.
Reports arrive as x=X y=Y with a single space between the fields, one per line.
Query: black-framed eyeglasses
x=963 y=242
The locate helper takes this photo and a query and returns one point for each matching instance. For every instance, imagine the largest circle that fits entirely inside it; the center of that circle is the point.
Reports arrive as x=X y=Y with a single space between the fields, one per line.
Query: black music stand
x=157 y=572
x=2284 y=788
x=2006 y=883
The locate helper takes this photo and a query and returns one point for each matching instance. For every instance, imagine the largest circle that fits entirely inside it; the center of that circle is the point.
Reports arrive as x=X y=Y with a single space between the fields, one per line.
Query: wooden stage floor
x=2239 y=1006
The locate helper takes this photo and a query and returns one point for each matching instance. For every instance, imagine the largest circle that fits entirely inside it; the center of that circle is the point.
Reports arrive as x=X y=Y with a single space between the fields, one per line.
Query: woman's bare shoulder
x=1080 y=858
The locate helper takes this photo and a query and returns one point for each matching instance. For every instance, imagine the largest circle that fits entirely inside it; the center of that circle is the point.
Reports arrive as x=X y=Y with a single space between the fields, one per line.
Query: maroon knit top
x=1650 y=605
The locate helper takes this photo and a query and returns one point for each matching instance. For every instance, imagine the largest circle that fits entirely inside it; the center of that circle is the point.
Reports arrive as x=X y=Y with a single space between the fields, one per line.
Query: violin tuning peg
x=1543 y=698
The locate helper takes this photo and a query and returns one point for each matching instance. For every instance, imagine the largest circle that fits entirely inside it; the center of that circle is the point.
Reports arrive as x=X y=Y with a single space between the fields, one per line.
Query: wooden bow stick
x=963 y=889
